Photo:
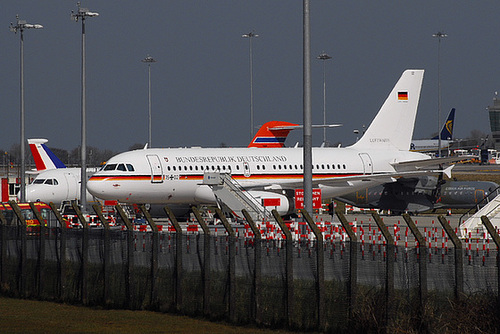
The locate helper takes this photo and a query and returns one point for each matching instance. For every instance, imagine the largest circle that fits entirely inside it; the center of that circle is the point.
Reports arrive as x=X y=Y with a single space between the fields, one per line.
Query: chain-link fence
x=344 y=277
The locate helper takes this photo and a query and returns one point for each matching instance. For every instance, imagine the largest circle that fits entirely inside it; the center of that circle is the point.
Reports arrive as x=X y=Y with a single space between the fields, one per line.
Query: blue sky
x=200 y=84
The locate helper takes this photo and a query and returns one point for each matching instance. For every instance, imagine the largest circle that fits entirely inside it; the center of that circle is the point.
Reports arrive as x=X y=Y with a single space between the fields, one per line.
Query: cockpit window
x=110 y=167
x=121 y=167
x=130 y=168
x=38 y=181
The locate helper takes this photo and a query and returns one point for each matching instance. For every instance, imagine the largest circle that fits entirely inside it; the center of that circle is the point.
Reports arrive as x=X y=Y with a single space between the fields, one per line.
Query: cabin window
x=344 y=167
x=322 y=166
x=338 y=166
x=190 y=167
x=333 y=166
x=173 y=168
x=258 y=167
x=168 y=168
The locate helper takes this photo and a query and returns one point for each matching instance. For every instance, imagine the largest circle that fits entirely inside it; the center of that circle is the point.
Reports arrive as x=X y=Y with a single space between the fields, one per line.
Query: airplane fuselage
x=174 y=175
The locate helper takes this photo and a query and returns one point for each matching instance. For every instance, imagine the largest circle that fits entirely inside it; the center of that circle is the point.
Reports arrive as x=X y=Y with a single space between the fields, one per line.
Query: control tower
x=494 y=112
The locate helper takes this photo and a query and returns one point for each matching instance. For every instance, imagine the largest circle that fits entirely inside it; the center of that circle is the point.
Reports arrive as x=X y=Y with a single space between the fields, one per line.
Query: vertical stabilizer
x=43 y=156
x=393 y=126
x=447 y=130
x=272 y=134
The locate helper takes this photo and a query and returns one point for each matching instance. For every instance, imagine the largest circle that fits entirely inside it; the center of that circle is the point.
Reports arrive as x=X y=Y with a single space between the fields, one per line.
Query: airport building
x=494 y=112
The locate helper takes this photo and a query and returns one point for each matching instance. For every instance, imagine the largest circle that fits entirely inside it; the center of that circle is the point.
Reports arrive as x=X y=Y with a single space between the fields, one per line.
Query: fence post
x=155 y=249
x=422 y=264
x=353 y=266
x=389 y=269
x=130 y=254
x=231 y=266
x=289 y=268
x=178 y=258
x=41 y=254
x=257 y=274
x=3 y=248
x=459 y=263
x=496 y=240
x=205 y=270
x=107 y=253
x=62 y=260
x=320 y=267
x=22 y=228
x=85 y=252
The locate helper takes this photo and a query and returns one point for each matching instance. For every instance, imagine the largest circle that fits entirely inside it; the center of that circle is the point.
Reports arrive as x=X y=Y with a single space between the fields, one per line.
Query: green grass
x=28 y=316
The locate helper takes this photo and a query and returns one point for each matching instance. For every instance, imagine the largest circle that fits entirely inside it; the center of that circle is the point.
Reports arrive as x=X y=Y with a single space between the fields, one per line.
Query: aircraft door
x=246 y=169
x=367 y=163
x=478 y=195
x=156 y=169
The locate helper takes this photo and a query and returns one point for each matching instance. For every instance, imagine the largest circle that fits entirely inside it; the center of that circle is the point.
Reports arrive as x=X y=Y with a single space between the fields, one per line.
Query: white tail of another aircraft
x=392 y=128
x=43 y=156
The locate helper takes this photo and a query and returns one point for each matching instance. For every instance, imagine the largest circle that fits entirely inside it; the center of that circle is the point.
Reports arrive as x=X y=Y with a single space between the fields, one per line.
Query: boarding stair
x=473 y=226
x=231 y=194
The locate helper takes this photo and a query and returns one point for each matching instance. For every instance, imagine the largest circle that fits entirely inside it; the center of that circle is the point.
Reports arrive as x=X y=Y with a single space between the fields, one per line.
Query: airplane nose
x=96 y=187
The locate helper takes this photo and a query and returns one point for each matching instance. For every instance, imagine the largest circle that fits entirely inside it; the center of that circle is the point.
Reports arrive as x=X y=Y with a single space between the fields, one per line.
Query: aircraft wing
x=370 y=180
x=418 y=164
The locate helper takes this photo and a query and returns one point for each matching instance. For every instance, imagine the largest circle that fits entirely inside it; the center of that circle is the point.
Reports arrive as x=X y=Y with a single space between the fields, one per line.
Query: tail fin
x=272 y=134
x=447 y=130
x=43 y=156
x=393 y=126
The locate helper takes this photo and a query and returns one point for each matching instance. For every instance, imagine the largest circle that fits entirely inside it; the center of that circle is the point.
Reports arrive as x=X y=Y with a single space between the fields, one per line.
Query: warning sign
x=299 y=198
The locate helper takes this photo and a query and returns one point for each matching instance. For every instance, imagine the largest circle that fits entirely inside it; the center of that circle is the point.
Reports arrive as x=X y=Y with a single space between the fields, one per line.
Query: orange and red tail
x=272 y=134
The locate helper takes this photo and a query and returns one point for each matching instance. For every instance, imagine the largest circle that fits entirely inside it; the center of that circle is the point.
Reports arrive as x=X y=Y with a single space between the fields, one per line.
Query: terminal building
x=494 y=112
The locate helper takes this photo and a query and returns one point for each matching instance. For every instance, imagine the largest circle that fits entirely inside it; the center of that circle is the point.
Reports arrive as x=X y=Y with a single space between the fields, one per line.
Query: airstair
x=473 y=226
x=231 y=194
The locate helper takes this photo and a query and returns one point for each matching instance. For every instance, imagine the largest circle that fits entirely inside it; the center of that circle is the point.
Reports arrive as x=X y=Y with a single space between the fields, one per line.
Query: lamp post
x=149 y=60
x=81 y=15
x=439 y=35
x=20 y=26
x=250 y=36
x=323 y=56
x=307 y=117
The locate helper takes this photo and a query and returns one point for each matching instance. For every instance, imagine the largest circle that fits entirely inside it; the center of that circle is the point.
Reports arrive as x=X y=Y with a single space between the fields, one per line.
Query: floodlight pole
x=20 y=26
x=307 y=149
x=149 y=60
x=81 y=15
x=439 y=35
x=323 y=56
x=250 y=36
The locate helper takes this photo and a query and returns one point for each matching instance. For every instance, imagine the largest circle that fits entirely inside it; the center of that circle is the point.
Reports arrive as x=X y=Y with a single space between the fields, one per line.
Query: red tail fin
x=272 y=134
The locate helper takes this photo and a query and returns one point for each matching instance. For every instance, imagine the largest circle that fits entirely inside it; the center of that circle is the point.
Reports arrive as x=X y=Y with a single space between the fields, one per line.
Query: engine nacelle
x=272 y=200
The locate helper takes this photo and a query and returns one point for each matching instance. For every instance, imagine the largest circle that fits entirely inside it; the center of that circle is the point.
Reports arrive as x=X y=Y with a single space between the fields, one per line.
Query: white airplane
x=174 y=175
x=55 y=182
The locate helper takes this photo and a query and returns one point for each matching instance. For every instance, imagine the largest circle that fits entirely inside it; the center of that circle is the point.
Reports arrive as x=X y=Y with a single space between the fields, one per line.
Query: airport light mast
x=250 y=36
x=439 y=35
x=20 y=26
x=81 y=15
x=324 y=56
x=149 y=60
x=307 y=149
